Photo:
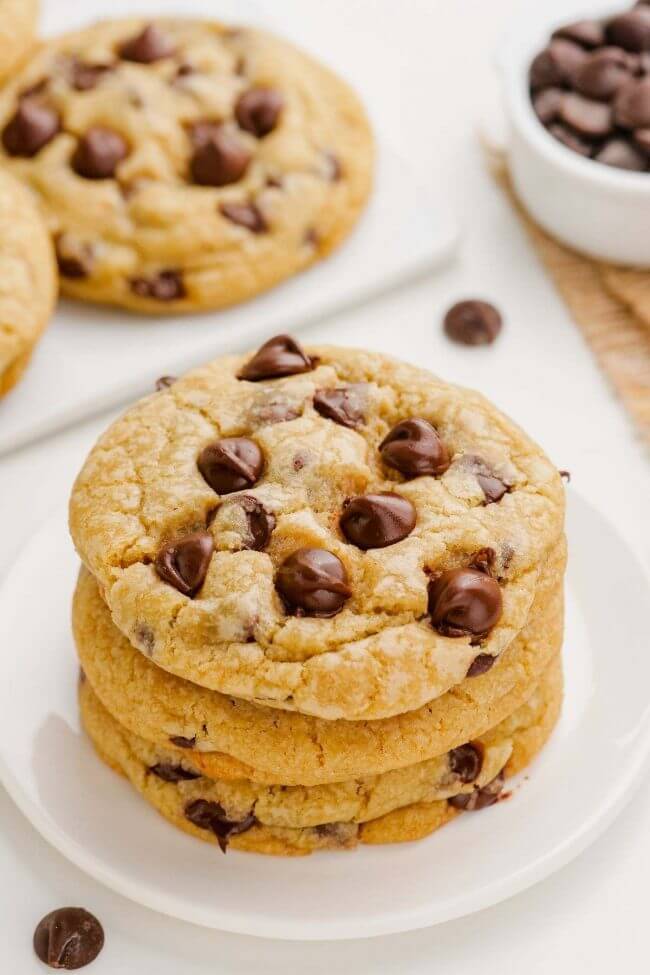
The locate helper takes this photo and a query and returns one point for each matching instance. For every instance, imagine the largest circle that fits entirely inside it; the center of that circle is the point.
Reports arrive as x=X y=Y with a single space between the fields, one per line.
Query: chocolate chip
x=632 y=105
x=557 y=65
x=275 y=411
x=566 y=476
x=84 y=76
x=602 y=73
x=479 y=798
x=333 y=167
x=313 y=581
x=570 y=139
x=182 y=742
x=343 y=404
x=152 y=44
x=184 y=562
x=220 y=157
x=300 y=460
x=98 y=153
x=30 y=129
x=631 y=30
x=414 y=448
x=586 y=116
x=260 y=522
x=74 y=258
x=622 y=154
x=246 y=215
x=68 y=938
x=257 y=111
x=493 y=487
x=483 y=560
x=377 y=520
x=547 y=104
x=212 y=816
x=144 y=638
x=280 y=356
x=642 y=139
x=466 y=761
x=464 y=602
x=473 y=323
x=481 y=665
x=587 y=33
x=231 y=464
x=165 y=382
x=173 y=773
x=163 y=286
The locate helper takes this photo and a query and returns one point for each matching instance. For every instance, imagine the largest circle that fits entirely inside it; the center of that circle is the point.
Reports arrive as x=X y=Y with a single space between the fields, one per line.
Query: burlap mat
x=610 y=305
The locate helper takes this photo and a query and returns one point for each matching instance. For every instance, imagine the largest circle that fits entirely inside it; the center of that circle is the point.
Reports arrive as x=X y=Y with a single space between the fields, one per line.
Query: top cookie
x=329 y=530
x=184 y=165
x=28 y=279
x=17 y=32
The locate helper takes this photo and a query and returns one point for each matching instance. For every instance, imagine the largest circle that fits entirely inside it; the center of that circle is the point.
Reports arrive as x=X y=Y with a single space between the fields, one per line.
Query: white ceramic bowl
x=598 y=210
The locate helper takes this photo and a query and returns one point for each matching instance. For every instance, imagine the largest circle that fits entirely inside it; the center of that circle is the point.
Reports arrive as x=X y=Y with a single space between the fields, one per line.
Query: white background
x=424 y=68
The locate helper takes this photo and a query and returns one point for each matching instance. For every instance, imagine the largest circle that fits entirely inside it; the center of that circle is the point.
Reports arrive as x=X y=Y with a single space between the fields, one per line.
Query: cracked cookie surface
x=393 y=807
x=182 y=164
x=304 y=619
x=17 y=32
x=28 y=279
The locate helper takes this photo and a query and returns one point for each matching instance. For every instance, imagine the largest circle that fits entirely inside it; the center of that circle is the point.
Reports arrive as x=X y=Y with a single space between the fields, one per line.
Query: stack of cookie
x=321 y=601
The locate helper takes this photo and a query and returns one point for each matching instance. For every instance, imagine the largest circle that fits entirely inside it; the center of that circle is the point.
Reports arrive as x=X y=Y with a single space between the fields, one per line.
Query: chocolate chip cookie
x=17 y=32
x=28 y=280
x=401 y=805
x=325 y=530
x=182 y=164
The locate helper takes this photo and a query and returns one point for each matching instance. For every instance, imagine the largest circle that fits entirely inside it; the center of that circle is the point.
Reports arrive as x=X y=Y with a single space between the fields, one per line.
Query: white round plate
x=568 y=796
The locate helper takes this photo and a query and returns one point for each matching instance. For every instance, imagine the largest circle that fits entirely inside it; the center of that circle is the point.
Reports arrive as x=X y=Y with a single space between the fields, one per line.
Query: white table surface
x=424 y=67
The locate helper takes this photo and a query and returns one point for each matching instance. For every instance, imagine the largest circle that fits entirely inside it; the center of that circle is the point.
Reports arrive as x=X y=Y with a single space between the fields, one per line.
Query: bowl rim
x=525 y=37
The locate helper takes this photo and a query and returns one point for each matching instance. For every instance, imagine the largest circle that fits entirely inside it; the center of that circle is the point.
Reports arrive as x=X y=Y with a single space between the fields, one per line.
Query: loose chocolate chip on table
x=479 y=798
x=165 y=382
x=184 y=562
x=280 y=356
x=481 y=665
x=246 y=215
x=30 y=129
x=631 y=30
x=466 y=761
x=163 y=286
x=212 y=816
x=220 y=157
x=98 y=153
x=257 y=111
x=68 y=938
x=547 y=104
x=473 y=323
x=557 y=65
x=587 y=33
x=632 y=104
x=231 y=464
x=622 y=154
x=259 y=521
x=343 y=404
x=570 y=139
x=414 y=448
x=313 y=581
x=75 y=259
x=464 y=602
x=602 y=73
x=84 y=76
x=377 y=520
x=182 y=742
x=173 y=773
x=586 y=116
x=152 y=44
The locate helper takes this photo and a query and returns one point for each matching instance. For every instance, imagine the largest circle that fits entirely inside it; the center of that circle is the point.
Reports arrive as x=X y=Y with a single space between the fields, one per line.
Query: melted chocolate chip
x=280 y=356
x=466 y=761
x=30 y=129
x=231 y=464
x=152 y=44
x=377 y=520
x=257 y=111
x=220 y=157
x=344 y=404
x=259 y=522
x=184 y=562
x=163 y=286
x=74 y=258
x=246 y=215
x=211 y=816
x=68 y=938
x=275 y=411
x=98 y=154
x=479 y=798
x=173 y=773
x=414 y=448
x=84 y=76
x=473 y=323
x=464 y=602
x=483 y=560
x=313 y=581
x=165 y=382
x=481 y=665
x=493 y=487
x=182 y=742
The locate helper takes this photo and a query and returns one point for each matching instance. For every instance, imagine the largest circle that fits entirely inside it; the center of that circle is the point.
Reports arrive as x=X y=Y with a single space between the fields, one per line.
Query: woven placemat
x=610 y=305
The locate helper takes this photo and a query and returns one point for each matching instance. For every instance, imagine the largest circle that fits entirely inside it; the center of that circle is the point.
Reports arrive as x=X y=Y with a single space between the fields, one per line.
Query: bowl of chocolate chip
x=577 y=95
